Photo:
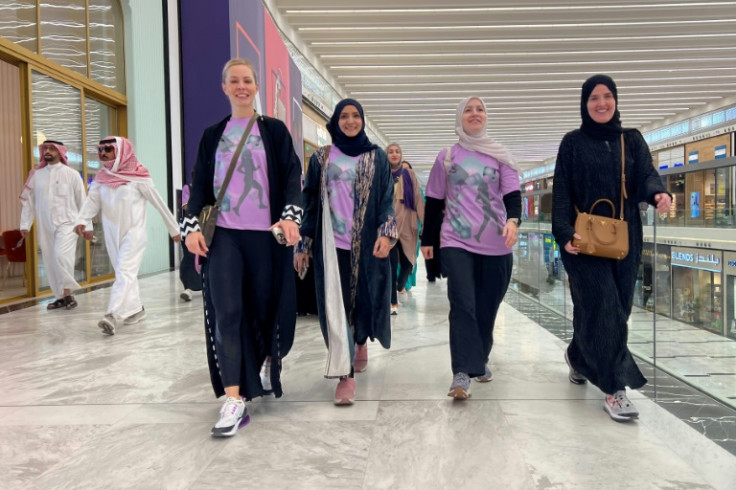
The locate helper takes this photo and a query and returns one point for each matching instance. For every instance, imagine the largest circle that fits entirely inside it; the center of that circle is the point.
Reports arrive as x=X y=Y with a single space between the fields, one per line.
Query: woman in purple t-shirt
x=347 y=233
x=477 y=185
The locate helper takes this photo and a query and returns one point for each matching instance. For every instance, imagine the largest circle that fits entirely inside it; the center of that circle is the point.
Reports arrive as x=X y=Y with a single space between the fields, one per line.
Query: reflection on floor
x=82 y=410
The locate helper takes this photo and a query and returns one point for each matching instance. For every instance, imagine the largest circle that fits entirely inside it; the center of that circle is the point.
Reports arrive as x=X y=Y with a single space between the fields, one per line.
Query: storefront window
x=18 y=24
x=100 y=121
x=57 y=115
x=64 y=34
x=724 y=195
x=106 y=44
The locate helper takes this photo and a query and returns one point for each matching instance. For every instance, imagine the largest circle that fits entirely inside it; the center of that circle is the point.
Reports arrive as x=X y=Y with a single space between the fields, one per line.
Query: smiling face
x=350 y=122
x=474 y=117
x=601 y=104
x=240 y=87
x=394 y=155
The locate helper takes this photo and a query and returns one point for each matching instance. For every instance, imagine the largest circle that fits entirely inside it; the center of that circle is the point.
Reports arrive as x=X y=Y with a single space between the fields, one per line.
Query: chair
x=15 y=252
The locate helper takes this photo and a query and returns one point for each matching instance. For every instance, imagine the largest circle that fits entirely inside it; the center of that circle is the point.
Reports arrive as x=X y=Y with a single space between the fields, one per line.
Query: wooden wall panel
x=11 y=148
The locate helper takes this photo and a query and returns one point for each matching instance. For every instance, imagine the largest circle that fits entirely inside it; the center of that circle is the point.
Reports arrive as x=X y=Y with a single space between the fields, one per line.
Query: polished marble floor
x=82 y=410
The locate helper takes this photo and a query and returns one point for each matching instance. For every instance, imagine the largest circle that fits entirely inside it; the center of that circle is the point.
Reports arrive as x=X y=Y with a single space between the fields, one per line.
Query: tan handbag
x=602 y=236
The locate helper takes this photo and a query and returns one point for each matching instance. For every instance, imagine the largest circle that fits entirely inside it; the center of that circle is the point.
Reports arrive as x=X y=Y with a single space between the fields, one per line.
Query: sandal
x=59 y=303
x=70 y=302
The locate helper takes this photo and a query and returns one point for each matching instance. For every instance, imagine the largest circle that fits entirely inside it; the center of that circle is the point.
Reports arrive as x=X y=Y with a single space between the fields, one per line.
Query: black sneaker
x=574 y=376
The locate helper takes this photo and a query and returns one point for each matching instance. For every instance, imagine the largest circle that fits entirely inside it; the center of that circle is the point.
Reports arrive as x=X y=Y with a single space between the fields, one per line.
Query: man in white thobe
x=53 y=194
x=120 y=192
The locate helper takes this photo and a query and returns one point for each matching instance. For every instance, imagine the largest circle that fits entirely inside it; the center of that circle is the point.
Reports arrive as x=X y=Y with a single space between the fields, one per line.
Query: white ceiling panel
x=410 y=62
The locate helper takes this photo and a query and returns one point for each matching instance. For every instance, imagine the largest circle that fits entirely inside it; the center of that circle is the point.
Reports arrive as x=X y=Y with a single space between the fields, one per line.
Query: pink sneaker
x=345 y=392
x=360 y=362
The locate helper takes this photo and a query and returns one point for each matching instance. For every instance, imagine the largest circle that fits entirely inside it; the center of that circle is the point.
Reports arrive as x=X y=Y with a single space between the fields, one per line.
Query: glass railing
x=692 y=336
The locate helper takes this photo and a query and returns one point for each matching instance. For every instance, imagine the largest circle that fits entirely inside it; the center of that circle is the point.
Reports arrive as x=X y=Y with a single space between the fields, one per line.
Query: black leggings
x=398 y=279
x=240 y=280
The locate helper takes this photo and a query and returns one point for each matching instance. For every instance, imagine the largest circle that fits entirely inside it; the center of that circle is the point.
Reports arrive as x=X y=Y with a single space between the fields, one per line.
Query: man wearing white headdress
x=120 y=191
x=53 y=194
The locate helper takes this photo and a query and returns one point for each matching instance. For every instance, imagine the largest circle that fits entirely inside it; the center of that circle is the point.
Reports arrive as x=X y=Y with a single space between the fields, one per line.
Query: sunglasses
x=45 y=148
x=105 y=149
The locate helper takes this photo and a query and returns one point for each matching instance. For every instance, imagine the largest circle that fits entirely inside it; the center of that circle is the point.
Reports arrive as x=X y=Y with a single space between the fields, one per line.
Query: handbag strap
x=231 y=169
x=623 y=182
x=623 y=176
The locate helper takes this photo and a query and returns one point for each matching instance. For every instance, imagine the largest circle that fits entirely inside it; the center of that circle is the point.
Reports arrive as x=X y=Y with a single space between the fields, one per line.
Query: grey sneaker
x=136 y=317
x=574 y=376
x=619 y=407
x=232 y=415
x=460 y=387
x=186 y=295
x=627 y=408
x=487 y=376
x=108 y=324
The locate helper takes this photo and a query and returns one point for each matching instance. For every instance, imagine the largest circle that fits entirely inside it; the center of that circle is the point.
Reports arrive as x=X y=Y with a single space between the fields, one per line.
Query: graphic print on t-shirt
x=246 y=202
x=472 y=179
x=247 y=167
x=341 y=192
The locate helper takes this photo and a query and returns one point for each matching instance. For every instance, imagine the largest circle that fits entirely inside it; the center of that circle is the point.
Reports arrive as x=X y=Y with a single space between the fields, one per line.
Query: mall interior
x=82 y=410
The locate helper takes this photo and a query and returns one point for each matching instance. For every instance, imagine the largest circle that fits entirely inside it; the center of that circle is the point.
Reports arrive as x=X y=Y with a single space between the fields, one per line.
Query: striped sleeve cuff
x=188 y=224
x=293 y=212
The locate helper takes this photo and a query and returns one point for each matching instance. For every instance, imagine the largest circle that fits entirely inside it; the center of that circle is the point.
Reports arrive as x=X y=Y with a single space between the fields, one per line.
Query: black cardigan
x=284 y=170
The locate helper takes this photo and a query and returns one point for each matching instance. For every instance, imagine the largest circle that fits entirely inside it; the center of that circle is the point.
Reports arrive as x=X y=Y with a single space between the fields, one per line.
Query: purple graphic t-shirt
x=246 y=204
x=473 y=191
x=341 y=193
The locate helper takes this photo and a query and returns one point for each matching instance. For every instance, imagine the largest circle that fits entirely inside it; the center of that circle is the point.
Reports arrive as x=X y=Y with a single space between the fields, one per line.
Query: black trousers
x=399 y=278
x=476 y=285
x=241 y=283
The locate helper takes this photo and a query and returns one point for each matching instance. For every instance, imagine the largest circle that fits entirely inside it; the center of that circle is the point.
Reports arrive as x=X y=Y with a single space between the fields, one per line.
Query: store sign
x=729 y=263
x=696 y=137
x=692 y=157
x=720 y=151
x=698 y=258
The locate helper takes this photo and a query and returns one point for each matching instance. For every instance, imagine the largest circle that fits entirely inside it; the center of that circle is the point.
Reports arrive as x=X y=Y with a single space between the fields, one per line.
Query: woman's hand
x=664 y=201
x=301 y=262
x=382 y=247
x=510 y=233
x=291 y=231
x=195 y=243
x=570 y=248
x=427 y=252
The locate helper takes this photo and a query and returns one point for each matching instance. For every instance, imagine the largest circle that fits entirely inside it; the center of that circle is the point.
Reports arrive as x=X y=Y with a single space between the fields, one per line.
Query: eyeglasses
x=105 y=149
x=45 y=148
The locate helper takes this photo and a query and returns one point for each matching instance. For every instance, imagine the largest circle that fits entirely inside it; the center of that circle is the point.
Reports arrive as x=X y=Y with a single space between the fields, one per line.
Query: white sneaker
x=135 y=317
x=266 y=376
x=394 y=309
x=232 y=414
x=186 y=295
x=108 y=324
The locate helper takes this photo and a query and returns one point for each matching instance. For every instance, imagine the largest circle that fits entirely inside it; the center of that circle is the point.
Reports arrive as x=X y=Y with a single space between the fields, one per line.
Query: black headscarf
x=612 y=129
x=350 y=146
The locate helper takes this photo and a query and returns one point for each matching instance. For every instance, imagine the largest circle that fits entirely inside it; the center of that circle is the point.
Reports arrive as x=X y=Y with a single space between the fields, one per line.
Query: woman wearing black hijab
x=588 y=168
x=348 y=230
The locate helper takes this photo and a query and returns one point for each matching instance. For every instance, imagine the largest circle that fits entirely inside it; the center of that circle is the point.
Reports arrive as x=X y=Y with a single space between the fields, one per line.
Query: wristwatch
x=514 y=221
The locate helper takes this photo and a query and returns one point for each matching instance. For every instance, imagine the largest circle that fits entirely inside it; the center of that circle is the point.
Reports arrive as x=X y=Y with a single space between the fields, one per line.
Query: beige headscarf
x=482 y=142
